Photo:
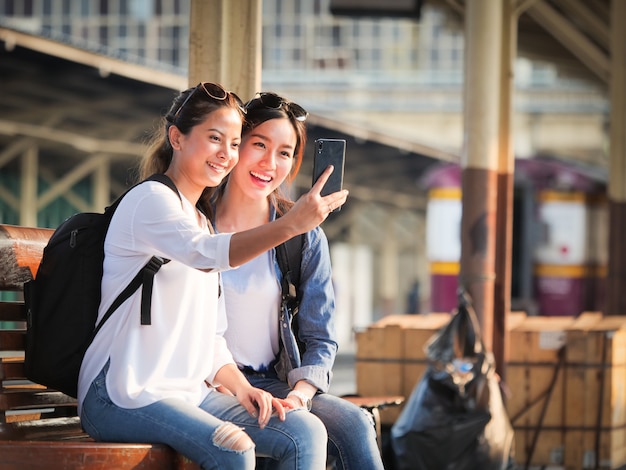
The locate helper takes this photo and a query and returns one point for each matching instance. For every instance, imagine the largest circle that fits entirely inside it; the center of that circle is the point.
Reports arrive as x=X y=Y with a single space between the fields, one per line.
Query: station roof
x=574 y=35
x=76 y=103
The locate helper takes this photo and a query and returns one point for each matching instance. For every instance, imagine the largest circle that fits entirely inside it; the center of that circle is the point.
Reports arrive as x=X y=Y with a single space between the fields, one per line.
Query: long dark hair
x=189 y=108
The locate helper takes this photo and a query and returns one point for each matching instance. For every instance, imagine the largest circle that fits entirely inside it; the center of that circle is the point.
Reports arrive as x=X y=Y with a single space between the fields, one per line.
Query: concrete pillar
x=616 y=274
x=225 y=44
x=389 y=266
x=101 y=185
x=480 y=157
x=506 y=168
x=28 y=187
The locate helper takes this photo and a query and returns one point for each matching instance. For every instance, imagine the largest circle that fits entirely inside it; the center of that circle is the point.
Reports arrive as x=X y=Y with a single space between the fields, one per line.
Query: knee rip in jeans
x=231 y=437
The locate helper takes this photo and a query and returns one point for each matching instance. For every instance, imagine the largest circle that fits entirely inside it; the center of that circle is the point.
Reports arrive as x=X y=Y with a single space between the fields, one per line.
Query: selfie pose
x=157 y=383
x=273 y=141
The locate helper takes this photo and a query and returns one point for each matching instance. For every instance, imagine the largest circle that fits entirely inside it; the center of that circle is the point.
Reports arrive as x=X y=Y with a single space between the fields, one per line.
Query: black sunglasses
x=272 y=100
x=214 y=91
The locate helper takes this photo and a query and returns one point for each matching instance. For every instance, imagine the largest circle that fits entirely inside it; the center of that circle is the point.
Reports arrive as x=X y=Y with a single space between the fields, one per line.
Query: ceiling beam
x=14 y=149
x=78 y=141
x=69 y=195
x=577 y=43
x=367 y=133
x=60 y=186
x=592 y=23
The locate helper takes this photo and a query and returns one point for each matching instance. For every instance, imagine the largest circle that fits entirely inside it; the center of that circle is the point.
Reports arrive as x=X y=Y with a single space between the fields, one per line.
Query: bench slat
x=18 y=455
x=12 y=340
x=12 y=311
x=48 y=429
x=11 y=370
x=25 y=398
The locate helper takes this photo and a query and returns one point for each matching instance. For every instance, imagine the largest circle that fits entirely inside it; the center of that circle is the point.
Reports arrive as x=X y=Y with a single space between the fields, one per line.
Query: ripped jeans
x=351 y=434
x=204 y=433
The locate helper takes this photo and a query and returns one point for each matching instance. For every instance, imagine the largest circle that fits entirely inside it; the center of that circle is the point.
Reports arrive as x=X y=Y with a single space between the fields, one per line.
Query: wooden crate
x=568 y=379
x=606 y=349
x=534 y=376
x=390 y=356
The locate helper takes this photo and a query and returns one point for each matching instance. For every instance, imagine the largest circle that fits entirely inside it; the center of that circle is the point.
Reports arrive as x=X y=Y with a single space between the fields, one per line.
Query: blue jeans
x=298 y=443
x=351 y=434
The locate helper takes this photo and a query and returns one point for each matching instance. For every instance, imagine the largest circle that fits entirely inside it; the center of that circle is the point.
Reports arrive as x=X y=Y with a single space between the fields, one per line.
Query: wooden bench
x=39 y=428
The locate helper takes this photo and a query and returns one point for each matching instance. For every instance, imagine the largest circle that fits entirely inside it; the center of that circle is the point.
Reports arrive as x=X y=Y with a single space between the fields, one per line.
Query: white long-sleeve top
x=183 y=346
x=252 y=297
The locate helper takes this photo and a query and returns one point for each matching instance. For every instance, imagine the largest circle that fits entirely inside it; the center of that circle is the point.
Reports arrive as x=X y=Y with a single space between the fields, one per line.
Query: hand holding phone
x=330 y=152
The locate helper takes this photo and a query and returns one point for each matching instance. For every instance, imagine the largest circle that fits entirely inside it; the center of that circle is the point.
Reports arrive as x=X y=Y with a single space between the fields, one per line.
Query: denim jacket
x=315 y=316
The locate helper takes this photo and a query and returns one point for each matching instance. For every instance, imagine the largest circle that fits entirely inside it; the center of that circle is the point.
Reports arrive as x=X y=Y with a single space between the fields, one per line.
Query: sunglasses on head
x=272 y=100
x=214 y=91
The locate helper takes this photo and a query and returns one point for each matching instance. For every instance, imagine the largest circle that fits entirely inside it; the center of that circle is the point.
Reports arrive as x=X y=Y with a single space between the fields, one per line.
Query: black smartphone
x=330 y=152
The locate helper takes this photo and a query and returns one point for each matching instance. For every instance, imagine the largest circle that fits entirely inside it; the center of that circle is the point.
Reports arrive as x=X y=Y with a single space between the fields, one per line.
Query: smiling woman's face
x=210 y=150
x=266 y=157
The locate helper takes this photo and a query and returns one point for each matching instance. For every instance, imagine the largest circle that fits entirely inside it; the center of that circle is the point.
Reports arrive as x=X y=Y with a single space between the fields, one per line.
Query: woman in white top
x=271 y=152
x=157 y=383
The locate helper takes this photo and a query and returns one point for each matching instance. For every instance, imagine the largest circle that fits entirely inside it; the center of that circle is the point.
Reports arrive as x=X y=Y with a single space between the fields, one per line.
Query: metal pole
x=480 y=158
x=616 y=276
x=504 y=211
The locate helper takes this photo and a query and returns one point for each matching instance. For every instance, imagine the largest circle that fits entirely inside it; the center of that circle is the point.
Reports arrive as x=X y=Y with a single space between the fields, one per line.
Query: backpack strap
x=145 y=276
x=166 y=180
x=289 y=256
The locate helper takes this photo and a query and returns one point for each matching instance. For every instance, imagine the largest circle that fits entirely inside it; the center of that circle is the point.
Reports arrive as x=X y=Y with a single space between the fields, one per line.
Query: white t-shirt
x=252 y=296
x=183 y=346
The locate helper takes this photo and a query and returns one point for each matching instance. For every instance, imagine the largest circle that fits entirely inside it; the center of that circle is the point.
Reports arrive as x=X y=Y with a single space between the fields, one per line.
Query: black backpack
x=62 y=301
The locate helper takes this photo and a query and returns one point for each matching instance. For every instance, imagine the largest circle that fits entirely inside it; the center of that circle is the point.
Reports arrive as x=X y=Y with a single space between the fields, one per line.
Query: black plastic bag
x=455 y=417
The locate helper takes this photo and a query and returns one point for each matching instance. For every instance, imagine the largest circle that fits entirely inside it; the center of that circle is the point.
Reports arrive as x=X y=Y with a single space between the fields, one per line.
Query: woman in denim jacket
x=273 y=141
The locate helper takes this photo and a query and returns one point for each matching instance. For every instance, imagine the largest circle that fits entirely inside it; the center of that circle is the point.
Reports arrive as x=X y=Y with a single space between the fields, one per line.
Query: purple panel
x=558 y=296
x=443 y=293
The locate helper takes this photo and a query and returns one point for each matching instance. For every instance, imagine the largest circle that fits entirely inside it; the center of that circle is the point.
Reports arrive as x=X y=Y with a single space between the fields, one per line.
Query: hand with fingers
x=262 y=405
x=311 y=209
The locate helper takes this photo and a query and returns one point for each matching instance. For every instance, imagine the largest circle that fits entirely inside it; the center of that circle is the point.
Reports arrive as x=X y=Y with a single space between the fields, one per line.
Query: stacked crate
x=566 y=377
x=535 y=375
x=390 y=357
x=568 y=382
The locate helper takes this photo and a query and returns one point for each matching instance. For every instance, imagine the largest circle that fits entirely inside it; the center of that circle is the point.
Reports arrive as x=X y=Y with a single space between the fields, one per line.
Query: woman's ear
x=174 y=136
